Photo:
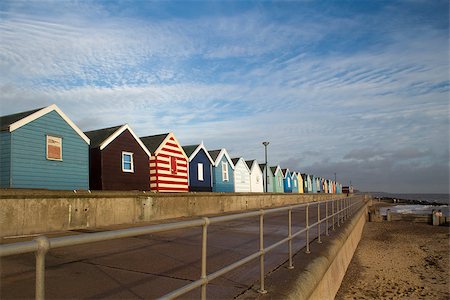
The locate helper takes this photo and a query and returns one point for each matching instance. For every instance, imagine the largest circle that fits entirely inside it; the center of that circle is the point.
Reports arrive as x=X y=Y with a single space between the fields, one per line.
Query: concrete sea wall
x=323 y=275
x=25 y=212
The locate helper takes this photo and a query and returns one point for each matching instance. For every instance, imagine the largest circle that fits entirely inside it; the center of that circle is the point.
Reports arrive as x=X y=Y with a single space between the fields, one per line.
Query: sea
x=437 y=202
x=432 y=198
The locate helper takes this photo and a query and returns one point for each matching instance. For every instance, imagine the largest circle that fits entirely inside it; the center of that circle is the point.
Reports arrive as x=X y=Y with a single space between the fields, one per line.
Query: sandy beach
x=399 y=260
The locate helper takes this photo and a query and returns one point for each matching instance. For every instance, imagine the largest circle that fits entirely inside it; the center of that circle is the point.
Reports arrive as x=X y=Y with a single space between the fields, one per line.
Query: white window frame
x=225 y=176
x=46 y=147
x=132 y=162
x=289 y=182
x=200 y=176
x=295 y=183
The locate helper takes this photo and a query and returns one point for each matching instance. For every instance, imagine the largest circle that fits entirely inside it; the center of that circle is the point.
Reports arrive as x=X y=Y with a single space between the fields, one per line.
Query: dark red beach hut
x=118 y=160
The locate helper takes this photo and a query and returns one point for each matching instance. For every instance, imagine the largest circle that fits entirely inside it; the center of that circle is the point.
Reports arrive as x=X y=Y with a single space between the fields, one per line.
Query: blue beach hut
x=200 y=168
x=43 y=149
x=223 y=171
x=287 y=181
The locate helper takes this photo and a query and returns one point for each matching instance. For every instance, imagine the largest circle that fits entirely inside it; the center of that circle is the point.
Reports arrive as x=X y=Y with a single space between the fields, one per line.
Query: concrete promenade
x=151 y=266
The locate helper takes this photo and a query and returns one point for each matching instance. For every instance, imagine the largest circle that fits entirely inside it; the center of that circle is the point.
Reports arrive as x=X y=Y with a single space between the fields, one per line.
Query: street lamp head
x=266 y=143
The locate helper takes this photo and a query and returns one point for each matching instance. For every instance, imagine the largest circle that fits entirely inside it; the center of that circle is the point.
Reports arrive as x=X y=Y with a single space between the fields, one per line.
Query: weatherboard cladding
x=168 y=164
x=241 y=176
x=278 y=183
x=256 y=176
x=29 y=167
x=199 y=183
x=106 y=165
x=270 y=178
x=294 y=179
x=287 y=181
x=5 y=158
x=219 y=184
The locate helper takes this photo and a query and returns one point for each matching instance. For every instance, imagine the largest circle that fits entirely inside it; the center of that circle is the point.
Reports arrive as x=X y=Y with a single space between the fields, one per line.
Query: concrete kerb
x=309 y=280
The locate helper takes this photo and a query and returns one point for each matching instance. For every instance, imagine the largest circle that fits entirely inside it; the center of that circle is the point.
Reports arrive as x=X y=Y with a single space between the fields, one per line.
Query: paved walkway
x=153 y=265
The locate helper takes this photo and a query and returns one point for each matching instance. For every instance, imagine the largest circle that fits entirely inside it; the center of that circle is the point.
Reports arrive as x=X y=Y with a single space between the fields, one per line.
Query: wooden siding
x=5 y=158
x=31 y=169
x=241 y=177
x=219 y=185
x=294 y=184
x=287 y=182
x=196 y=185
x=112 y=176
x=270 y=181
x=256 y=179
x=278 y=184
x=161 y=177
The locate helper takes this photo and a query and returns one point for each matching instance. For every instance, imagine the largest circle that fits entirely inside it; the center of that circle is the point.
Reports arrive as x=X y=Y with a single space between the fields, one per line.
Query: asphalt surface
x=151 y=266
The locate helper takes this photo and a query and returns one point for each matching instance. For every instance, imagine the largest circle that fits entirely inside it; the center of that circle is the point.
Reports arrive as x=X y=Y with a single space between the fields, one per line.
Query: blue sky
x=360 y=88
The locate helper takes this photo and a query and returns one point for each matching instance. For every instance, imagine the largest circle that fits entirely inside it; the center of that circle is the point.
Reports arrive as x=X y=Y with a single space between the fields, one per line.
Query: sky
x=356 y=88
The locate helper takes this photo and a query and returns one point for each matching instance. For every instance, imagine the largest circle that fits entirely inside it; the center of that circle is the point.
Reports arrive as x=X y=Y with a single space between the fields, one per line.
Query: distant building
x=294 y=179
x=287 y=181
x=278 y=182
x=269 y=179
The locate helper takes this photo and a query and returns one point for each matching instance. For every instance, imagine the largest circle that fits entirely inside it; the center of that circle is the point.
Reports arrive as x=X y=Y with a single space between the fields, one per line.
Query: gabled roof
x=155 y=143
x=294 y=174
x=101 y=138
x=236 y=161
x=217 y=155
x=275 y=170
x=263 y=166
x=192 y=150
x=189 y=149
x=285 y=172
x=152 y=142
x=15 y=121
x=250 y=163
x=5 y=121
x=98 y=136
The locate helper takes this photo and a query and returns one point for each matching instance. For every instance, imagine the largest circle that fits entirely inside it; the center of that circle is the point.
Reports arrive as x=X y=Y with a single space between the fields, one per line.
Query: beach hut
x=118 y=160
x=200 y=168
x=269 y=178
x=278 y=184
x=168 y=163
x=309 y=180
x=43 y=149
x=223 y=171
x=256 y=176
x=301 y=189
x=325 y=186
x=305 y=182
x=294 y=179
x=242 y=183
x=287 y=181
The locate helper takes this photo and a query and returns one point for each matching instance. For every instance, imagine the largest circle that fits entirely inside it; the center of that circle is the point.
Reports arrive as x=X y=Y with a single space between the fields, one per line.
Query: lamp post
x=265 y=151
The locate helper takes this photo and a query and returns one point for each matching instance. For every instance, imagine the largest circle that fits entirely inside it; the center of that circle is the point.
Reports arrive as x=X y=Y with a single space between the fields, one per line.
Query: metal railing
x=341 y=210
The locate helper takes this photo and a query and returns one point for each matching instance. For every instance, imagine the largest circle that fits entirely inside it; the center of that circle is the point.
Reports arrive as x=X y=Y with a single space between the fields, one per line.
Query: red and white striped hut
x=168 y=163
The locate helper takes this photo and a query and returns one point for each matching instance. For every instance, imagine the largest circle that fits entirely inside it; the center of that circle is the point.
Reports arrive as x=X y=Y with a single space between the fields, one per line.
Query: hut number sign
x=54 y=147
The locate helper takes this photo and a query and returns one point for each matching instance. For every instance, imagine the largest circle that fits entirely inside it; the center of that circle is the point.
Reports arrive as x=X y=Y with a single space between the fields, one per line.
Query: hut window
x=257 y=179
x=54 y=148
x=242 y=176
x=225 y=171
x=173 y=165
x=289 y=182
x=295 y=183
x=127 y=162
x=200 y=171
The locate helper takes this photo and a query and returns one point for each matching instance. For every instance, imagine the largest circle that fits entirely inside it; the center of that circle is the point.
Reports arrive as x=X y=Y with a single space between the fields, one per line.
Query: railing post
x=43 y=245
x=307 y=228
x=319 y=240
x=326 y=220
x=261 y=290
x=338 y=211
x=333 y=211
x=204 y=248
x=291 y=266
